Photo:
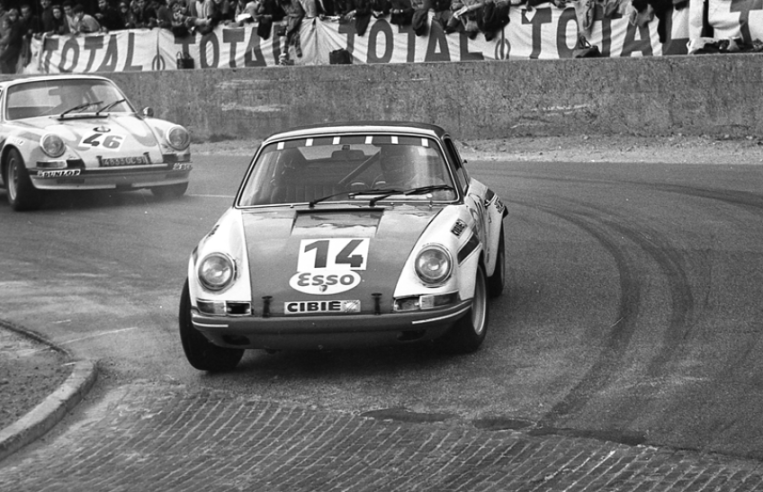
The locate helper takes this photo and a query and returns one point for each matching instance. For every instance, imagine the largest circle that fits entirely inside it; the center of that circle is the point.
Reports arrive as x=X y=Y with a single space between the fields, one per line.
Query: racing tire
x=22 y=195
x=496 y=283
x=200 y=352
x=169 y=191
x=468 y=333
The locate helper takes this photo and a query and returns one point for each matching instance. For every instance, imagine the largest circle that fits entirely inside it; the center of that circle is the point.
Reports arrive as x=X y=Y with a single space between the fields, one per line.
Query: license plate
x=122 y=161
x=58 y=173
x=315 y=307
x=181 y=167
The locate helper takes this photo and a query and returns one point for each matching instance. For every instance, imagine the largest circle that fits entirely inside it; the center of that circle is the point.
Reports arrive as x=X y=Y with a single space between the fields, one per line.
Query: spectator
x=46 y=16
x=163 y=14
x=60 y=26
x=125 y=15
x=361 y=13
x=68 y=6
x=11 y=38
x=31 y=23
x=401 y=12
x=179 y=16
x=84 y=23
x=142 y=14
x=294 y=15
x=108 y=17
x=245 y=11
x=268 y=12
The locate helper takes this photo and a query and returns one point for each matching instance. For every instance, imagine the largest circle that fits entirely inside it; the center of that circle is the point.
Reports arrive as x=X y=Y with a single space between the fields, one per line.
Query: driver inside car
x=406 y=167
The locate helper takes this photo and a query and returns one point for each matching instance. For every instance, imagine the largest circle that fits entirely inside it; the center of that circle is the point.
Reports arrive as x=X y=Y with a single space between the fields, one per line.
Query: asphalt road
x=633 y=314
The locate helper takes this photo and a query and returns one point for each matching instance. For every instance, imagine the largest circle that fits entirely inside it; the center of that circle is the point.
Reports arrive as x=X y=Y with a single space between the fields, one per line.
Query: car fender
x=226 y=237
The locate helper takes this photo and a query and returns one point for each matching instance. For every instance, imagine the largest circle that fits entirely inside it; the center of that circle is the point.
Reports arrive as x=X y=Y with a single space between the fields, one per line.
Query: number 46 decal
x=103 y=141
x=332 y=254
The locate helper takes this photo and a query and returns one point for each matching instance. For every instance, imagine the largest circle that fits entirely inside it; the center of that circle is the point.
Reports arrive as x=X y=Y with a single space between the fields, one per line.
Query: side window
x=460 y=171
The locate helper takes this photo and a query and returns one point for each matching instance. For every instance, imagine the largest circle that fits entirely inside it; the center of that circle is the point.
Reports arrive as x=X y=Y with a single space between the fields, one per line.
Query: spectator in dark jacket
x=32 y=23
x=11 y=37
x=108 y=17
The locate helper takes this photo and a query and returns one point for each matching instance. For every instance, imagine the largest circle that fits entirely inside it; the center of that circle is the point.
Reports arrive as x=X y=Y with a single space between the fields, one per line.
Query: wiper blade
x=312 y=203
x=109 y=106
x=80 y=108
x=353 y=194
x=427 y=189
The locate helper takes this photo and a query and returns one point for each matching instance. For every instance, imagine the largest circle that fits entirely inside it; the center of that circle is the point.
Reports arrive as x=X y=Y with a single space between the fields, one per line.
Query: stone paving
x=149 y=437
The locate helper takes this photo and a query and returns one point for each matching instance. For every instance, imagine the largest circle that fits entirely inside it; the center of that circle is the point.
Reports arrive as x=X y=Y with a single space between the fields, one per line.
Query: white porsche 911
x=81 y=132
x=342 y=236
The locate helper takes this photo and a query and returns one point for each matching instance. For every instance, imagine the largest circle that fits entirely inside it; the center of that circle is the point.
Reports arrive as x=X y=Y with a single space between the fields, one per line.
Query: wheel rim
x=13 y=179
x=479 y=304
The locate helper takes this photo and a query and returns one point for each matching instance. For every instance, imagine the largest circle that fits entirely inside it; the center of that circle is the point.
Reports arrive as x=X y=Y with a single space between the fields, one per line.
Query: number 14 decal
x=103 y=141
x=333 y=254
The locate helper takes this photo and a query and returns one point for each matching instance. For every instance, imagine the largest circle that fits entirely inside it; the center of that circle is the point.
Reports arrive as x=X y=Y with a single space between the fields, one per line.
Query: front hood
x=318 y=243
x=117 y=135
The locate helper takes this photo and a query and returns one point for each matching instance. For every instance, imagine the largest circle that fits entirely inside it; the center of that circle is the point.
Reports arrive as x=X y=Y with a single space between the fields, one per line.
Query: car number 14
x=333 y=254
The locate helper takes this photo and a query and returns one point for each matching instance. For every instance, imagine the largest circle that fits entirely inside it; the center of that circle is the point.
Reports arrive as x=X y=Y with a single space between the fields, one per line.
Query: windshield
x=54 y=97
x=348 y=168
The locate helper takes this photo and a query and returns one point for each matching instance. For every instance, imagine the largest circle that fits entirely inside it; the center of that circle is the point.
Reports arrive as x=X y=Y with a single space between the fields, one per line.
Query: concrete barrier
x=693 y=95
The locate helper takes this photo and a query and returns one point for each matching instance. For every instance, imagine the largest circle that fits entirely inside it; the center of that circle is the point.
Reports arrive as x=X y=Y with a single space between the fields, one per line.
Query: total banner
x=543 y=32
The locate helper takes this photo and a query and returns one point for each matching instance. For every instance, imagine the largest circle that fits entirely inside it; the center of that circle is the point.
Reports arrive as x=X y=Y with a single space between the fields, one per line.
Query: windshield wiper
x=353 y=194
x=412 y=191
x=109 y=106
x=79 y=108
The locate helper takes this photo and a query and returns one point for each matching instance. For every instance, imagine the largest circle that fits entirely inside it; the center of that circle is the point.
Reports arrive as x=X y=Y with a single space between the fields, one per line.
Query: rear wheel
x=467 y=334
x=22 y=195
x=200 y=352
x=170 y=191
x=496 y=283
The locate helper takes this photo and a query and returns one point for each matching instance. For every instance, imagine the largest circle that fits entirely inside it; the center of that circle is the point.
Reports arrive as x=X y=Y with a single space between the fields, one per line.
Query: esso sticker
x=324 y=282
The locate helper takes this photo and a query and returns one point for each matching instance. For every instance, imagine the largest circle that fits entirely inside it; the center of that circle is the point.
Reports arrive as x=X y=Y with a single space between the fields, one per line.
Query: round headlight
x=52 y=145
x=178 y=138
x=217 y=271
x=434 y=264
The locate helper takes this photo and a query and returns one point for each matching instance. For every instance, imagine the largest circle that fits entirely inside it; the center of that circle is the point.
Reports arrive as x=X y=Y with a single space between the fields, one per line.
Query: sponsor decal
x=313 y=307
x=328 y=266
x=458 y=228
x=325 y=282
x=58 y=173
x=122 y=161
x=181 y=167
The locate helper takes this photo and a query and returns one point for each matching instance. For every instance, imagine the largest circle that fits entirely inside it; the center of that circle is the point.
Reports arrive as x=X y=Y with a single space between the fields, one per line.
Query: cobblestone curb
x=44 y=416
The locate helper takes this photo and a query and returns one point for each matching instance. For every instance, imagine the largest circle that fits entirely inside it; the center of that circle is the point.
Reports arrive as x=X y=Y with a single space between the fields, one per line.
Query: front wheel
x=22 y=195
x=467 y=334
x=170 y=191
x=200 y=352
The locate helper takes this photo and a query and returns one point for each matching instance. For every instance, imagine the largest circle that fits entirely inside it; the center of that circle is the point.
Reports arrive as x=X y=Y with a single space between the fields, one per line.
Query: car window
x=461 y=176
x=52 y=97
x=305 y=170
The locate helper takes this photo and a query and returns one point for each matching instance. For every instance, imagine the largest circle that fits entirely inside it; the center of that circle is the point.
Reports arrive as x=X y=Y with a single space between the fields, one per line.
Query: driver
x=71 y=96
x=399 y=166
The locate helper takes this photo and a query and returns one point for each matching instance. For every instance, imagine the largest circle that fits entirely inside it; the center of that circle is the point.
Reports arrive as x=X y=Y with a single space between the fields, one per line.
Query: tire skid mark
x=604 y=227
x=601 y=372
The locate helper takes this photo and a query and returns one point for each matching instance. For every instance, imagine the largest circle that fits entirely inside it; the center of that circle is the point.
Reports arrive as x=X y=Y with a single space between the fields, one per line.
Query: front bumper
x=127 y=177
x=326 y=332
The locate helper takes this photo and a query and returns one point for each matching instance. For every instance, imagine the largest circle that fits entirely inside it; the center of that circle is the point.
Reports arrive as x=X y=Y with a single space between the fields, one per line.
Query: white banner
x=546 y=32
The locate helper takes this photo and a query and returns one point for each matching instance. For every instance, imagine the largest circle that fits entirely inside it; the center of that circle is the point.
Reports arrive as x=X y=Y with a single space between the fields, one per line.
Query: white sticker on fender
x=324 y=282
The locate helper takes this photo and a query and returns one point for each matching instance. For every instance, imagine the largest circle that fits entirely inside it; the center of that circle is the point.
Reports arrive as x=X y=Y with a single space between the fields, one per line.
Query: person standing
x=108 y=17
x=11 y=38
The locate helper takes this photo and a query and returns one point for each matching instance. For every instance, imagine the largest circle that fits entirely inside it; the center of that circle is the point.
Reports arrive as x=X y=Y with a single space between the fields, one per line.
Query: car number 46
x=103 y=140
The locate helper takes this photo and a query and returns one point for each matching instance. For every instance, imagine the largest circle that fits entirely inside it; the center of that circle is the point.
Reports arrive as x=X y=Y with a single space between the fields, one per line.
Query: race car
x=344 y=236
x=81 y=132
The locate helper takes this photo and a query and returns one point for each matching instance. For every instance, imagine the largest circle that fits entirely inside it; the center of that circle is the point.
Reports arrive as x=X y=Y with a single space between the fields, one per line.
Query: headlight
x=217 y=271
x=52 y=145
x=178 y=138
x=434 y=264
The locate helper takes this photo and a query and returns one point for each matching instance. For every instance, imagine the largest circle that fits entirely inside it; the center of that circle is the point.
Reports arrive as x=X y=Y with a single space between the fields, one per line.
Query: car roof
x=49 y=78
x=355 y=127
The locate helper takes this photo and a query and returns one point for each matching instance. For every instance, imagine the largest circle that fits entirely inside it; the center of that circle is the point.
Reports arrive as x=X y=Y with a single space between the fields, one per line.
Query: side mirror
x=147 y=112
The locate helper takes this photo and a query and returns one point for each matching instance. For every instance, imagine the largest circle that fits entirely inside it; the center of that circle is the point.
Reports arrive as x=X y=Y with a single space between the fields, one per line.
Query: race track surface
x=623 y=356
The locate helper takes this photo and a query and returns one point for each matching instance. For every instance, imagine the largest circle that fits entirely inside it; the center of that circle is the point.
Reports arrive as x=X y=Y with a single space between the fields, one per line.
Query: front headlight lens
x=217 y=271
x=178 y=138
x=434 y=264
x=52 y=145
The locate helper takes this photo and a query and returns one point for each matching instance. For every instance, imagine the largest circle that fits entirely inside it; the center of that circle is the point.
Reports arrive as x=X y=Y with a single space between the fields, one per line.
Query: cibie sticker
x=333 y=254
x=324 y=282
x=311 y=307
